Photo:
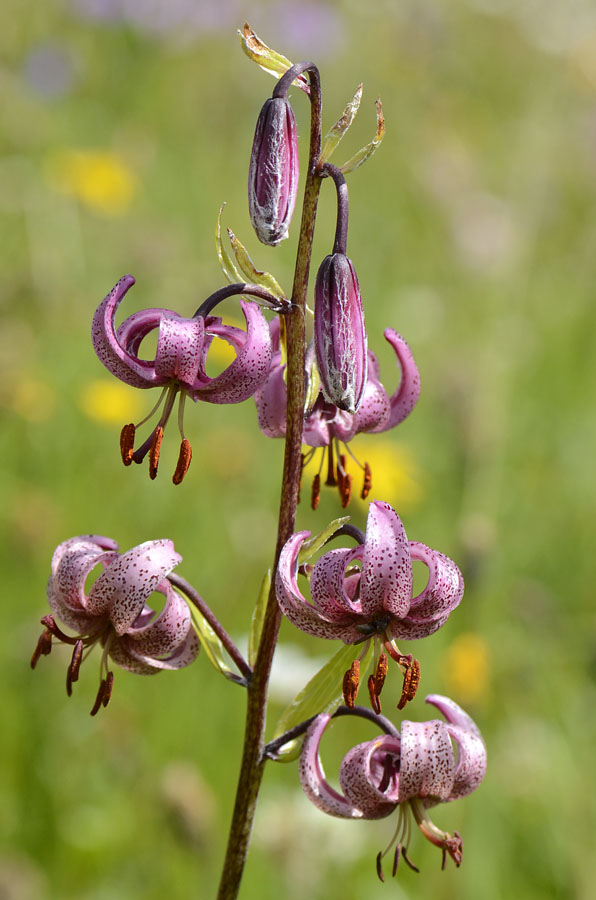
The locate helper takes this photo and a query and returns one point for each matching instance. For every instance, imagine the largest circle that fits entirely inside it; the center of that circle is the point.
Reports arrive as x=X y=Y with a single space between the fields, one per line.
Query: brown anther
x=331 y=482
x=381 y=673
x=379 y=866
x=103 y=686
x=374 y=697
x=351 y=683
x=109 y=688
x=396 y=857
x=409 y=862
x=410 y=685
x=44 y=647
x=367 y=484
x=184 y=458
x=315 y=495
x=345 y=490
x=127 y=443
x=155 y=451
x=72 y=673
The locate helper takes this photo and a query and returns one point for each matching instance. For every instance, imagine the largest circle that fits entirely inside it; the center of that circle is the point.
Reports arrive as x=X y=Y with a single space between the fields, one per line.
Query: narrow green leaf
x=361 y=157
x=250 y=272
x=269 y=60
x=228 y=265
x=314 y=544
x=258 y=617
x=323 y=693
x=211 y=644
x=337 y=131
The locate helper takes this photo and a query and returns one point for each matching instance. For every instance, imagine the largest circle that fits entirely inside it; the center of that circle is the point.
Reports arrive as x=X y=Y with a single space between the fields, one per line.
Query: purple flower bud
x=340 y=333
x=273 y=172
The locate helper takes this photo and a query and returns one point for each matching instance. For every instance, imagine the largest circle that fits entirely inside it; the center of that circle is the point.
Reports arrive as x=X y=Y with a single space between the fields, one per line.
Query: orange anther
x=155 y=451
x=351 y=683
x=316 y=491
x=367 y=484
x=127 y=443
x=184 y=458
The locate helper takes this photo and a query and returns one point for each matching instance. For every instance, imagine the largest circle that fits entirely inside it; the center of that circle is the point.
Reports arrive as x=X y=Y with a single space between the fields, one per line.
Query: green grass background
x=473 y=233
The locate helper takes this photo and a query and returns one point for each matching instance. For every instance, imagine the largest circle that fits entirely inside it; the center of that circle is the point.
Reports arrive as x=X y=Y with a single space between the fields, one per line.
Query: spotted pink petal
x=123 y=587
x=406 y=396
x=386 y=580
x=294 y=605
x=163 y=634
x=375 y=409
x=312 y=775
x=362 y=772
x=471 y=757
x=252 y=364
x=104 y=543
x=179 y=348
x=182 y=656
x=328 y=586
x=427 y=767
x=271 y=401
x=124 y=365
x=71 y=565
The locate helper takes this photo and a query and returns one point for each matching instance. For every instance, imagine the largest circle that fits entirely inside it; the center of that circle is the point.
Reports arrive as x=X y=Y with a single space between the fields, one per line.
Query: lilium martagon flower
x=410 y=771
x=365 y=593
x=114 y=612
x=329 y=428
x=180 y=361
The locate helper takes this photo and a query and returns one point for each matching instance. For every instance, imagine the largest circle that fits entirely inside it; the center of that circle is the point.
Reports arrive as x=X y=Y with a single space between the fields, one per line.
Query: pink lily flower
x=328 y=427
x=411 y=772
x=114 y=613
x=353 y=604
x=179 y=364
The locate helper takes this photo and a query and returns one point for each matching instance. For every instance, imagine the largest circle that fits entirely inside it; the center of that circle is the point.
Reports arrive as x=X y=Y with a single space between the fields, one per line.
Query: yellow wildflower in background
x=110 y=402
x=395 y=475
x=98 y=178
x=467 y=667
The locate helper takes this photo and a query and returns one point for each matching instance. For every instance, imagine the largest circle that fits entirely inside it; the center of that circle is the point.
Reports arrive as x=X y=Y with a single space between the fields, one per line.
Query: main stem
x=253 y=757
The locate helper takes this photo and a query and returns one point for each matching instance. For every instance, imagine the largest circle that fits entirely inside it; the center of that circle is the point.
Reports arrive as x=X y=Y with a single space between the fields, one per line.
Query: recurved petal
x=104 y=543
x=328 y=588
x=375 y=409
x=427 y=767
x=179 y=348
x=406 y=396
x=294 y=605
x=71 y=564
x=445 y=586
x=411 y=628
x=251 y=366
x=312 y=775
x=125 y=584
x=471 y=755
x=271 y=402
x=386 y=580
x=365 y=769
x=182 y=656
x=134 y=330
x=118 y=361
x=167 y=631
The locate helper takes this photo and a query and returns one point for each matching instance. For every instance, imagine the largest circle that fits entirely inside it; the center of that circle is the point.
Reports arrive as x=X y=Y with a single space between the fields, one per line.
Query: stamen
x=379 y=866
x=103 y=686
x=411 y=682
x=367 y=484
x=331 y=482
x=315 y=495
x=408 y=861
x=127 y=443
x=183 y=463
x=50 y=624
x=374 y=699
x=44 y=647
x=376 y=682
x=351 y=683
x=155 y=451
x=72 y=673
x=396 y=860
x=109 y=687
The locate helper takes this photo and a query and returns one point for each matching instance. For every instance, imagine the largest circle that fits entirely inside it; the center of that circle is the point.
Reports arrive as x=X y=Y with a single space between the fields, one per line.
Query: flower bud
x=340 y=333
x=273 y=172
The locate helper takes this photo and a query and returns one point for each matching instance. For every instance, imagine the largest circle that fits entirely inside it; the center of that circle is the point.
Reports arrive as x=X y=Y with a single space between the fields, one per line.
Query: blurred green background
x=125 y=125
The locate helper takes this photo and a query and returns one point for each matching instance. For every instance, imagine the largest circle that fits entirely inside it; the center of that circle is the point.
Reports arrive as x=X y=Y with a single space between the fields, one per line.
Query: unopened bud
x=273 y=172
x=340 y=333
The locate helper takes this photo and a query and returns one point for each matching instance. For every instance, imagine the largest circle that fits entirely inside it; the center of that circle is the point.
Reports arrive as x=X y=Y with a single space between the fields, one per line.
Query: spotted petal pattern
x=379 y=597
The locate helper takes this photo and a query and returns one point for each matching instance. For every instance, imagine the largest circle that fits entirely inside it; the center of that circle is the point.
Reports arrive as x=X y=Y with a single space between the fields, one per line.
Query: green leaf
x=269 y=60
x=250 y=272
x=361 y=157
x=228 y=264
x=211 y=644
x=323 y=693
x=258 y=617
x=337 y=131
x=314 y=544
